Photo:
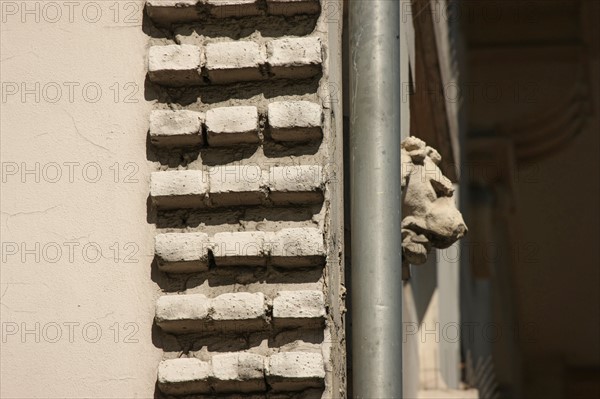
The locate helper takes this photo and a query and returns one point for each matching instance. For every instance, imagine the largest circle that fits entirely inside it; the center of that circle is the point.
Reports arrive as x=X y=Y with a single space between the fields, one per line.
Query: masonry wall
x=207 y=172
x=246 y=198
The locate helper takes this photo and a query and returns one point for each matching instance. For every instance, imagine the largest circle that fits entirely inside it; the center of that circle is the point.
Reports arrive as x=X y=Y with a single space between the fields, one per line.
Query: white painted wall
x=83 y=45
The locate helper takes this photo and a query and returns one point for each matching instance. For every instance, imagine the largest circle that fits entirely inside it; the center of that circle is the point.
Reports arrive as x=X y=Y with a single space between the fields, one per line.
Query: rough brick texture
x=238 y=306
x=241 y=311
x=197 y=313
x=238 y=372
x=297 y=247
x=293 y=7
x=182 y=313
x=295 y=184
x=176 y=128
x=299 y=309
x=228 y=126
x=167 y=12
x=237 y=61
x=295 y=120
x=235 y=185
x=295 y=58
x=178 y=188
x=184 y=376
x=189 y=252
x=242 y=372
x=294 y=371
x=175 y=65
x=240 y=248
x=182 y=253
x=249 y=85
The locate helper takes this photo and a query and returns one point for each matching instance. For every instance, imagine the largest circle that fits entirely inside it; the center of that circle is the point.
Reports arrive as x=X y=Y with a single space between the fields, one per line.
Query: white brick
x=295 y=58
x=240 y=311
x=295 y=178
x=171 y=3
x=234 y=8
x=181 y=313
x=295 y=120
x=297 y=247
x=177 y=182
x=176 y=128
x=293 y=7
x=245 y=248
x=299 y=305
x=238 y=372
x=294 y=51
x=238 y=306
x=178 y=188
x=228 y=126
x=166 y=12
x=295 y=184
x=175 y=65
x=299 y=309
x=235 y=178
x=237 y=61
x=294 y=371
x=184 y=376
x=235 y=185
x=182 y=252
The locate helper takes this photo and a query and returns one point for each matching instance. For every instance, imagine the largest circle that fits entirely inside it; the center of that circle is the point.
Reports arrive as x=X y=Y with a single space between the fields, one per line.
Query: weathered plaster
x=55 y=212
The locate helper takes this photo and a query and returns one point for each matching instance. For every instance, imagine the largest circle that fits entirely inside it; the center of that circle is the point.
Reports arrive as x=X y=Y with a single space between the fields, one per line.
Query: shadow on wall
x=218 y=336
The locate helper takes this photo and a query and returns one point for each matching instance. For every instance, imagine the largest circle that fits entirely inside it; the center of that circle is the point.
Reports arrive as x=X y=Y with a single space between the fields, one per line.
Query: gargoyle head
x=429 y=214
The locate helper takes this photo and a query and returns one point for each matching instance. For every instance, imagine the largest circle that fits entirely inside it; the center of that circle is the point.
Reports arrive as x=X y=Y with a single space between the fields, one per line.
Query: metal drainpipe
x=374 y=27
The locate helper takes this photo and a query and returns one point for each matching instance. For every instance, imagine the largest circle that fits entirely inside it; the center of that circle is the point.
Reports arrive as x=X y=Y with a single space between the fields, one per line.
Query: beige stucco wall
x=81 y=132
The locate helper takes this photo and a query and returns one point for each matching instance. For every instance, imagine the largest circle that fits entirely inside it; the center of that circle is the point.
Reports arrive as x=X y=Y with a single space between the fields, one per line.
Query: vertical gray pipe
x=374 y=27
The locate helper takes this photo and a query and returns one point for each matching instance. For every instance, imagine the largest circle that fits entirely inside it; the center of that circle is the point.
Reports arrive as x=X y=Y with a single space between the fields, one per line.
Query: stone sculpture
x=429 y=214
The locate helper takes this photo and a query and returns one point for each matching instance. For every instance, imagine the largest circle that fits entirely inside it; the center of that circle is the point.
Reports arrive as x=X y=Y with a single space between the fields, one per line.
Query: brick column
x=246 y=195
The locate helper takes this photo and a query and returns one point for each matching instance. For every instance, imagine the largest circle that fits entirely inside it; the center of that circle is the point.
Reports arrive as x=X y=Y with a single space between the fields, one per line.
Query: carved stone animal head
x=429 y=214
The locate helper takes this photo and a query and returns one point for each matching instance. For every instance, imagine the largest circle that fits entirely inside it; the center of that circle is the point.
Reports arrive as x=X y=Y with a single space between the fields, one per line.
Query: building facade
x=175 y=198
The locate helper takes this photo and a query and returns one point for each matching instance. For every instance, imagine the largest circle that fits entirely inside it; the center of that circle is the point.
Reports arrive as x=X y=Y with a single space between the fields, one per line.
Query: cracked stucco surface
x=106 y=132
